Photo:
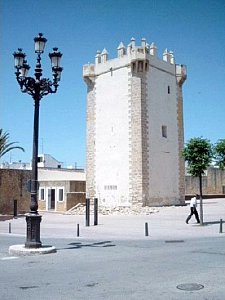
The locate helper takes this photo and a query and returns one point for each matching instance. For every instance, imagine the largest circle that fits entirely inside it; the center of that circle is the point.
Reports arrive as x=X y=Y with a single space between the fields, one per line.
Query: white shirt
x=193 y=202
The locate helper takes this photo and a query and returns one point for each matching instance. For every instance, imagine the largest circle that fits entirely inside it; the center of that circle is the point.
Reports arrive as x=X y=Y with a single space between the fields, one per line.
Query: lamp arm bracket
x=46 y=87
x=27 y=85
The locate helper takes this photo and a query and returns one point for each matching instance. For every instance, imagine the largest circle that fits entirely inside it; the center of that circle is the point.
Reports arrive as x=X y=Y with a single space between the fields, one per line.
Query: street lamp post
x=37 y=87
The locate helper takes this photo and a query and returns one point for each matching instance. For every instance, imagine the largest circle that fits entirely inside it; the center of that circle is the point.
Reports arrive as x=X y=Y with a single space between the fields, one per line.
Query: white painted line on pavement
x=9 y=257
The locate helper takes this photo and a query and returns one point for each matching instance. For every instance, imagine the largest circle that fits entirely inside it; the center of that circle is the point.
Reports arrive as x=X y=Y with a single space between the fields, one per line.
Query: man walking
x=193 y=206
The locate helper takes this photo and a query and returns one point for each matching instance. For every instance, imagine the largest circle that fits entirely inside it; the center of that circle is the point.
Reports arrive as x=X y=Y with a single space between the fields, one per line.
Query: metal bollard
x=78 y=230
x=221 y=226
x=87 y=212
x=10 y=228
x=146 y=229
x=14 y=208
x=95 y=211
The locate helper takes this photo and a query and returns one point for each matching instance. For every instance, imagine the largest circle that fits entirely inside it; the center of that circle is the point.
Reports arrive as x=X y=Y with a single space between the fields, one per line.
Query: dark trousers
x=193 y=212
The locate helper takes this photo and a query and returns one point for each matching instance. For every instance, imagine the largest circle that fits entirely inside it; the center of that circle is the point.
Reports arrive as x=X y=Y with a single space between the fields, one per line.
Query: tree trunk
x=201 y=203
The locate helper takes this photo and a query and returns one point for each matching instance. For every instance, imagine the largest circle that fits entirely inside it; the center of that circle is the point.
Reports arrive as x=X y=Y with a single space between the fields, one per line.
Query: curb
x=21 y=250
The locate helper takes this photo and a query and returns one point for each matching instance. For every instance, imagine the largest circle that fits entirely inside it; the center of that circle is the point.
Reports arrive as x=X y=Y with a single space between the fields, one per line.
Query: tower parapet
x=98 y=57
x=153 y=49
x=121 y=50
x=181 y=74
x=104 y=56
x=133 y=54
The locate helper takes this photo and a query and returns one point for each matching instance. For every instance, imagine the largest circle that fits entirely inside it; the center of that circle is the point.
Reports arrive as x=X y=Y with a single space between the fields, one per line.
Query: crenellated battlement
x=135 y=52
x=138 y=57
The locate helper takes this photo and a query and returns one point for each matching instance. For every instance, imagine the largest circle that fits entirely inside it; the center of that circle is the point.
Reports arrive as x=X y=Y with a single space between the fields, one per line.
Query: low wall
x=192 y=185
x=13 y=186
x=74 y=199
x=212 y=185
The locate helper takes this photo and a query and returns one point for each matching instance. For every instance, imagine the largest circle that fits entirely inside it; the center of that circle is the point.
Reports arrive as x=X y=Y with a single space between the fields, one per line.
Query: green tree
x=198 y=152
x=5 y=145
x=219 y=150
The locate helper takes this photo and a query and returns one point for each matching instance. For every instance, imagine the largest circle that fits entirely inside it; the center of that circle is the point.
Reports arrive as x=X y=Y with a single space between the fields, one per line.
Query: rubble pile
x=80 y=209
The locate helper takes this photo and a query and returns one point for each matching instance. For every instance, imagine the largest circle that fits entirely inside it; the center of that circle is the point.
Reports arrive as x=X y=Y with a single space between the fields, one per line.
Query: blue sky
x=193 y=29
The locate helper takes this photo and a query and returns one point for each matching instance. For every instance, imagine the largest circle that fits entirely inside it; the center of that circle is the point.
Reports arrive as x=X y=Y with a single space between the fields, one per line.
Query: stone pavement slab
x=165 y=223
x=116 y=261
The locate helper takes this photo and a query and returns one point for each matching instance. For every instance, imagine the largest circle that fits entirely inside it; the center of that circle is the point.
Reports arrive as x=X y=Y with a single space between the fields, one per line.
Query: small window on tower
x=168 y=89
x=164 y=131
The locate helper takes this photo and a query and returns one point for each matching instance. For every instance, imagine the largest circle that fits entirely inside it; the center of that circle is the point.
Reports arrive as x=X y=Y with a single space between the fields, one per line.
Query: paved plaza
x=116 y=260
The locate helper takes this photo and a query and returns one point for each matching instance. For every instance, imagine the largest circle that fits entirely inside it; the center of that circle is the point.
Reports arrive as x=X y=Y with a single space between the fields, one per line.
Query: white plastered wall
x=163 y=152
x=112 y=152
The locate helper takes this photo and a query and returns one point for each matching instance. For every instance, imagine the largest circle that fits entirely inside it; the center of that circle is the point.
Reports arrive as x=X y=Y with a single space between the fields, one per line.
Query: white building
x=60 y=189
x=48 y=161
x=44 y=161
x=15 y=165
x=135 y=127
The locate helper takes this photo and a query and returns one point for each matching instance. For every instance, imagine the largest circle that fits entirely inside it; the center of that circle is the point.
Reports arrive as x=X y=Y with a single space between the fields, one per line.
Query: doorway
x=51 y=199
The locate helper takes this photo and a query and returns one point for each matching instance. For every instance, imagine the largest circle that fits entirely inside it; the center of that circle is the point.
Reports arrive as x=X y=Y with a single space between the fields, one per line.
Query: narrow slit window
x=168 y=89
x=164 y=131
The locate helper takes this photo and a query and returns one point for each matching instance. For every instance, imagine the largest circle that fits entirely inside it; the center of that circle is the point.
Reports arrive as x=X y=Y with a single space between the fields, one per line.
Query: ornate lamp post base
x=33 y=231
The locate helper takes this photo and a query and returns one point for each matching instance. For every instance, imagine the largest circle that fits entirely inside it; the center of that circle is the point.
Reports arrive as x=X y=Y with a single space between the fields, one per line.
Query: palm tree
x=5 y=146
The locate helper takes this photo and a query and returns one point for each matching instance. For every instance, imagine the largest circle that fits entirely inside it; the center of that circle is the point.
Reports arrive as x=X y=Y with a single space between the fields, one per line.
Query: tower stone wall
x=90 y=134
x=135 y=127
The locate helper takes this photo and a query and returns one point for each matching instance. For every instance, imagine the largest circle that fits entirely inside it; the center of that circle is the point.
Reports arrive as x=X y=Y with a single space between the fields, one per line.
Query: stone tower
x=135 y=127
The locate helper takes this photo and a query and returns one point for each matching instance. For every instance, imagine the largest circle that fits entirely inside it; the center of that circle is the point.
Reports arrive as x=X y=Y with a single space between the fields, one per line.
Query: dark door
x=51 y=199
